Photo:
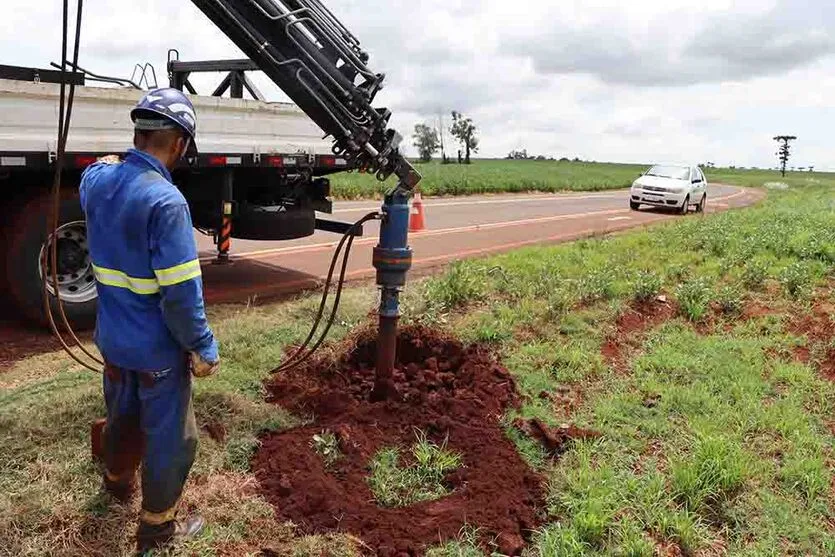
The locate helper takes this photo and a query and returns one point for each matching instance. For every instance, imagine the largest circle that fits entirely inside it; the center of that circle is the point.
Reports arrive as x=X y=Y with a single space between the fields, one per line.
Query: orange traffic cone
x=416 y=219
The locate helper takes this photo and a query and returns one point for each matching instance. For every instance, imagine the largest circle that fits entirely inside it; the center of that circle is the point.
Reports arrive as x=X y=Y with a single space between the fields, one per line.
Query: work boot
x=149 y=536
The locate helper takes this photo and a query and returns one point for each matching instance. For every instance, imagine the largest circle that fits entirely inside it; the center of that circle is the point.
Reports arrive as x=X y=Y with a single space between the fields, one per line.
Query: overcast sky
x=606 y=80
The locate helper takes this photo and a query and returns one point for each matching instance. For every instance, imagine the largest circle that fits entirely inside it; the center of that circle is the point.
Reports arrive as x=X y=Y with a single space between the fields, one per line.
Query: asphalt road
x=456 y=228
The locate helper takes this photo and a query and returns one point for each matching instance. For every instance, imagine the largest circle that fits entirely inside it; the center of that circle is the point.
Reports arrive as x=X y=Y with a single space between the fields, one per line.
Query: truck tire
x=26 y=236
x=258 y=223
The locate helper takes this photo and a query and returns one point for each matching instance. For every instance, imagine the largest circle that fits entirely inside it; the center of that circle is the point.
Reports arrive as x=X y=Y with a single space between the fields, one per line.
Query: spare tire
x=253 y=222
x=26 y=236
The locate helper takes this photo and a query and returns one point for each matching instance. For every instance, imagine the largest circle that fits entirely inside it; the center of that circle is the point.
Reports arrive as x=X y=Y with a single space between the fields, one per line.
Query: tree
x=426 y=140
x=784 y=151
x=464 y=131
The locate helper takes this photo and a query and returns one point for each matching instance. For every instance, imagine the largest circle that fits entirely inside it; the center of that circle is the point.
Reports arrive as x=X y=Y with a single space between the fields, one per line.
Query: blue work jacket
x=139 y=232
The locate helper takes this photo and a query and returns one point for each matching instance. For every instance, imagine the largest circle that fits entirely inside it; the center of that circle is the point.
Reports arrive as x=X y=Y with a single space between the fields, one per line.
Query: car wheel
x=634 y=205
x=685 y=206
x=700 y=208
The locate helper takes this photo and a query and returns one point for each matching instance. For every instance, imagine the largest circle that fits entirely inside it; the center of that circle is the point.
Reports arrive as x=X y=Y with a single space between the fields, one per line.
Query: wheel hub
x=75 y=279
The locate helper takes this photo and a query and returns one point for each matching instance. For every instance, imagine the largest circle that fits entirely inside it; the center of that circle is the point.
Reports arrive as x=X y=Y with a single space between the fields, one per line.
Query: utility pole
x=441 y=131
x=784 y=151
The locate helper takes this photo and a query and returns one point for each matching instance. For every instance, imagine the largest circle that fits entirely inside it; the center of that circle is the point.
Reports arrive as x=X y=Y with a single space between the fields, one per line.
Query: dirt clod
x=651 y=400
x=630 y=328
x=450 y=393
x=510 y=544
x=818 y=326
x=216 y=430
x=554 y=439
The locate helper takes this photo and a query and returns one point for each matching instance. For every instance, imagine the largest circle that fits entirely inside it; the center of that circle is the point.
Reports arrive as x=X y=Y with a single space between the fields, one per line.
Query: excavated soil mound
x=448 y=392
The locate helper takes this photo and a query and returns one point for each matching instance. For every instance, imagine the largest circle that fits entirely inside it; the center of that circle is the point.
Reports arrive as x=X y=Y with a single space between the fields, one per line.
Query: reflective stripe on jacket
x=141 y=242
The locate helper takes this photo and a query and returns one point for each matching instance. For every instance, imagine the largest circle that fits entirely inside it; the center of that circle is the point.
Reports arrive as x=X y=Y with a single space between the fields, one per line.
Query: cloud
x=603 y=80
x=678 y=48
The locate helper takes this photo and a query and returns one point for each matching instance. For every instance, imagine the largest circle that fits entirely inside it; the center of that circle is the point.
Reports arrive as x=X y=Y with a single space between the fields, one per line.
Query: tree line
x=429 y=140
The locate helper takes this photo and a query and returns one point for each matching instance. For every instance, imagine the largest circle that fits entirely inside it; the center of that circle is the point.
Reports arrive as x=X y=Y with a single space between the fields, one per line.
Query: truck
x=261 y=173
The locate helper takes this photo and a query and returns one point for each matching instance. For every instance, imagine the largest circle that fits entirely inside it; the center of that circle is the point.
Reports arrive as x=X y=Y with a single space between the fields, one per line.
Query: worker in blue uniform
x=152 y=328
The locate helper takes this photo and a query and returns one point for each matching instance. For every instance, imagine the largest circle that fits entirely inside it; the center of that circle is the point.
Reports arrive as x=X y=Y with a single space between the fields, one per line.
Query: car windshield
x=674 y=172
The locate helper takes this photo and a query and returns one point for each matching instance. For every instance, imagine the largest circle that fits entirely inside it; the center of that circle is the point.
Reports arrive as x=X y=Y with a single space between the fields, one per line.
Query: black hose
x=57 y=193
x=297 y=357
x=64 y=115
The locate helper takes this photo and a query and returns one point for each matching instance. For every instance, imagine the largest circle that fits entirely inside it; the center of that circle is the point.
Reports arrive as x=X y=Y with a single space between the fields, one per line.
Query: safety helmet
x=175 y=109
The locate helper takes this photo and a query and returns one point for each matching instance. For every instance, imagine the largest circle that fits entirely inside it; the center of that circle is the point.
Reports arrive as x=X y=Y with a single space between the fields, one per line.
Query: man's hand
x=110 y=159
x=202 y=368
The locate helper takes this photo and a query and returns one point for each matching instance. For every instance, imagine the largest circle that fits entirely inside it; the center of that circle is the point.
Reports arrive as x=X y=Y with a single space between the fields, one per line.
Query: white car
x=670 y=186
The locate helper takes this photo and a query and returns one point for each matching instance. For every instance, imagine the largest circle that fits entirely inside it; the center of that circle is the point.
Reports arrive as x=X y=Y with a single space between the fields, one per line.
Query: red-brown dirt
x=630 y=326
x=555 y=440
x=818 y=327
x=449 y=392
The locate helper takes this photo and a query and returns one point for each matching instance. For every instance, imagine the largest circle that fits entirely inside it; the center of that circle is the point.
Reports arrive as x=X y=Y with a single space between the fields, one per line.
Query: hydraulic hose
x=302 y=353
x=64 y=117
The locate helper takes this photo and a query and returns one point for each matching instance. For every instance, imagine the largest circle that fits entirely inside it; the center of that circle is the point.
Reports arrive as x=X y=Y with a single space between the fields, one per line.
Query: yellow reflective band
x=179 y=273
x=112 y=277
x=156 y=519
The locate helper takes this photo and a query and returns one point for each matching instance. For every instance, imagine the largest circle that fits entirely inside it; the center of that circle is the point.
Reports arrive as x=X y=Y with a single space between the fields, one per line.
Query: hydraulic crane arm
x=319 y=64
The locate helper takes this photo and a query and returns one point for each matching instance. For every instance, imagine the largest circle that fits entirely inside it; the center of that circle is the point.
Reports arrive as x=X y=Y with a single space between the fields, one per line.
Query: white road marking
x=613 y=219
x=472 y=228
x=494 y=201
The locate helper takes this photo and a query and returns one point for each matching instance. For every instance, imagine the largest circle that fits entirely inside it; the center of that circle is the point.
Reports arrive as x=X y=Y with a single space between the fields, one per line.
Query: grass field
x=498 y=176
x=502 y=176
x=717 y=423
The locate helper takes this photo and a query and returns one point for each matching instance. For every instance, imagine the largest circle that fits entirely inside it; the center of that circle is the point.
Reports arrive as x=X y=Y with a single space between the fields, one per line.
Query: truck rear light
x=328 y=161
x=12 y=161
x=222 y=160
x=84 y=161
x=275 y=161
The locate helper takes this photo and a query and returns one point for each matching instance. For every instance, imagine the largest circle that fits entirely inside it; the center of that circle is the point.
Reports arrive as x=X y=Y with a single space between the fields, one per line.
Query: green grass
x=714 y=439
x=50 y=503
x=735 y=452
x=758 y=178
x=486 y=176
x=498 y=176
x=396 y=484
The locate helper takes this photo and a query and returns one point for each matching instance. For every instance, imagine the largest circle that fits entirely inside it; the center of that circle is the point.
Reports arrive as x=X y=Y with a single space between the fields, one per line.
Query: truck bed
x=231 y=131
